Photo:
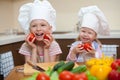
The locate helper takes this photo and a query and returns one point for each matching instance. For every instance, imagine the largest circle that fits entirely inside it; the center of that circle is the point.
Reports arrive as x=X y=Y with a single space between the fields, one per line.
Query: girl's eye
x=42 y=25
x=33 y=25
x=83 y=31
x=90 y=33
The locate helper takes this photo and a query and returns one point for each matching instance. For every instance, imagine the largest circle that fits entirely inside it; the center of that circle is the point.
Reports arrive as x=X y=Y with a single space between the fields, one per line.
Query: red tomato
x=81 y=76
x=31 y=37
x=115 y=64
x=87 y=46
x=42 y=76
x=46 y=37
x=66 y=75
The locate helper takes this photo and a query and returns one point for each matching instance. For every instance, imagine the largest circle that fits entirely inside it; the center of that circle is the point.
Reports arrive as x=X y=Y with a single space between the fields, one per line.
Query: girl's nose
x=85 y=34
x=38 y=28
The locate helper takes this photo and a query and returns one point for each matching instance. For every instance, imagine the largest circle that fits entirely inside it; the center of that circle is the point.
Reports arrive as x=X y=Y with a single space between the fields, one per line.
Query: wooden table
x=15 y=75
x=27 y=71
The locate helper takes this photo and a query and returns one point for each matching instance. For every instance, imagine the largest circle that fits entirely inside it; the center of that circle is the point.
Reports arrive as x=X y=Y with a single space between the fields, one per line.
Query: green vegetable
x=54 y=76
x=56 y=66
x=61 y=63
x=48 y=72
x=79 y=69
x=90 y=77
x=67 y=66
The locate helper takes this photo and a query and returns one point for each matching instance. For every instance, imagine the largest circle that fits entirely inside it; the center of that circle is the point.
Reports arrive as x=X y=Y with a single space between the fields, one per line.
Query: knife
x=34 y=66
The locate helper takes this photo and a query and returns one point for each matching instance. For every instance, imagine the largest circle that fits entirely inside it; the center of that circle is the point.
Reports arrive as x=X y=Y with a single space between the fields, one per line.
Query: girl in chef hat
x=92 y=23
x=38 y=21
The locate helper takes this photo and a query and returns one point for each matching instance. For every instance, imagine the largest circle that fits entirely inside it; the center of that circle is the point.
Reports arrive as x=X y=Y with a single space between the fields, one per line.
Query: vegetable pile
x=102 y=69
x=62 y=71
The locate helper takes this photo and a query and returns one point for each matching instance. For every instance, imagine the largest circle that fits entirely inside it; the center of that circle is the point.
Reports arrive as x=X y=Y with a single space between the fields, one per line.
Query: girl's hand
x=78 y=49
x=47 y=40
x=90 y=50
x=30 y=43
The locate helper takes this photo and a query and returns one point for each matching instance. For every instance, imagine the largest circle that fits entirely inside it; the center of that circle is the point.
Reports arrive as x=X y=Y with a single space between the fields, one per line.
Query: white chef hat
x=93 y=18
x=36 y=10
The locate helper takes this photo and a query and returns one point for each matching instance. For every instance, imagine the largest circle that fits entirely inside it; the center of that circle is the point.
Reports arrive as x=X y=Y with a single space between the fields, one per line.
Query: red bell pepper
x=115 y=64
x=115 y=73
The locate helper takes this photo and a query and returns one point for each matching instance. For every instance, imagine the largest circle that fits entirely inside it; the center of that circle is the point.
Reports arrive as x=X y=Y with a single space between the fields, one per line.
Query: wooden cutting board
x=28 y=70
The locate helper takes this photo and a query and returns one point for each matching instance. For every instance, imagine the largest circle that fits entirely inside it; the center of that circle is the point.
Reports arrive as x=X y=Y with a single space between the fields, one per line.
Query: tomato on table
x=66 y=75
x=42 y=76
x=81 y=76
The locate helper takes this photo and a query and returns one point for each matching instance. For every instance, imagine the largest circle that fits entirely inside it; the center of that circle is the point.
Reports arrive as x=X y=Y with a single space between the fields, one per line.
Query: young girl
x=91 y=22
x=38 y=19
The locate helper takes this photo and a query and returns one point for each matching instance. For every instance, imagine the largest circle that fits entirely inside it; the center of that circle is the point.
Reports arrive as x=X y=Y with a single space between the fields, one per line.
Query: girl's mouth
x=85 y=39
x=39 y=35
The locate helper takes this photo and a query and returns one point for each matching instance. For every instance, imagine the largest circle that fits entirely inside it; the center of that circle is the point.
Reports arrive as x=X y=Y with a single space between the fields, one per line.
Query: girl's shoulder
x=25 y=44
x=95 y=44
x=54 y=42
x=76 y=43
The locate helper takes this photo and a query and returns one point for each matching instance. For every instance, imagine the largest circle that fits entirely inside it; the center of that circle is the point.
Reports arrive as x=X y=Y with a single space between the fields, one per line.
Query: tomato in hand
x=42 y=76
x=87 y=46
x=66 y=75
x=81 y=46
x=31 y=37
x=46 y=37
x=81 y=76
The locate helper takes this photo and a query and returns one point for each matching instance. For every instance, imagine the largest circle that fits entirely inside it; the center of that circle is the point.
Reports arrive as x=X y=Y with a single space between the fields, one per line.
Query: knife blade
x=34 y=66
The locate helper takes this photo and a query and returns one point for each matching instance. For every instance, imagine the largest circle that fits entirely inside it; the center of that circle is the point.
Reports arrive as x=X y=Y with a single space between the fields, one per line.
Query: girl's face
x=87 y=35
x=39 y=27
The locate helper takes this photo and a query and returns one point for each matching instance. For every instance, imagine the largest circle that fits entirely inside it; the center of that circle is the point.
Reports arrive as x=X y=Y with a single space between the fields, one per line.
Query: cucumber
x=56 y=66
x=79 y=69
x=67 y=66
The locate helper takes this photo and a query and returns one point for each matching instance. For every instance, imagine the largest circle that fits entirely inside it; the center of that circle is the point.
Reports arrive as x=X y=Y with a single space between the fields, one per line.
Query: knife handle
x=31 y=63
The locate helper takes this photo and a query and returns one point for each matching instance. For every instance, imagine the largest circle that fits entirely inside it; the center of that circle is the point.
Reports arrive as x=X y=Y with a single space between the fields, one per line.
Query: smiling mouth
x=85 y=39
x=39 y=34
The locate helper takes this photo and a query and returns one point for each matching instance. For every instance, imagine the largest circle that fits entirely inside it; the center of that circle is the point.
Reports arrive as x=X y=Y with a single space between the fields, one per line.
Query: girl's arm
x=54 y=58
x=50 y=58
x=47 y=45
x=46 y=55
x=34 y=55
x=71 y=56
x=73 y=52
x=27 y=58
